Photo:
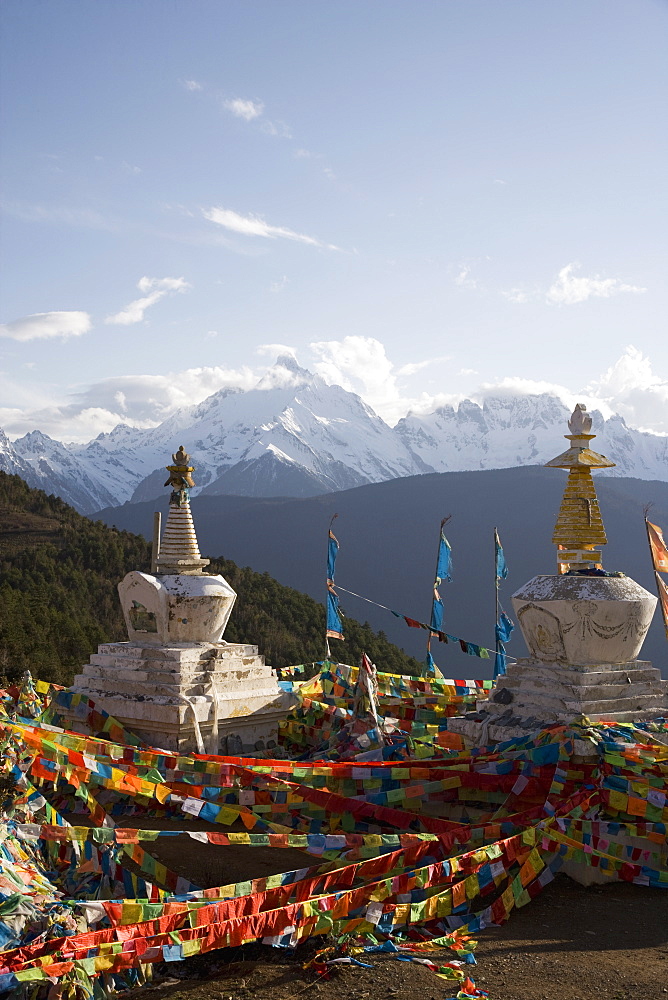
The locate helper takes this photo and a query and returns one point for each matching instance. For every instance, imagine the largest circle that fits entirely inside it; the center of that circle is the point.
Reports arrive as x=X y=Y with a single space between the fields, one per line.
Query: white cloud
x=137 y=400
x=302 y=154
x=156 y=288
x=518 y=296
x=278 y=128
x=463 y=279
x=361 y=365
x=248 y=110
x=41 y=326
x=253 y=225
x=128 y=168
x=568 y=289
x=417 y=366
x=630 y=388
x=518 y=386
x=279 y=285
x=192 y=85
x=275 y=350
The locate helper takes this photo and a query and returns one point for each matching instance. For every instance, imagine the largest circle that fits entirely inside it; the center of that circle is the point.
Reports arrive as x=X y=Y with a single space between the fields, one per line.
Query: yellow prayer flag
x=102 y=963
x=444 y=907
x=131 y=913
x=227 y=815
x=658 y=547
x=472 y=886
x=508 y=899
x=191 y=947
x=618 y=800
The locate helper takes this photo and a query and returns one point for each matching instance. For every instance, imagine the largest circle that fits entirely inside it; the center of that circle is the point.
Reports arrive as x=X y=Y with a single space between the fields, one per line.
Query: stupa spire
x=179 y=550
x=579 y=528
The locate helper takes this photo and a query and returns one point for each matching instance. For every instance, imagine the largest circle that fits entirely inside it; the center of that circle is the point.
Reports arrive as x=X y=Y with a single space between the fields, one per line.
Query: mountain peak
x=285 y=373
x=290 y=362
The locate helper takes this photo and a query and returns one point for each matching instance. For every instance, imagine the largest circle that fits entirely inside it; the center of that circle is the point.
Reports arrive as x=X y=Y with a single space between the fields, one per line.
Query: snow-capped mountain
x=510 y=430
x=295 y=435
x=48 y=465
x=291 y=435
x=10 y=461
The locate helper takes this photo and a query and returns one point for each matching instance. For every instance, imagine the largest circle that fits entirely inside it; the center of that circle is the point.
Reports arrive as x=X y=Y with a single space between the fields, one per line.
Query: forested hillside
x=58 y=598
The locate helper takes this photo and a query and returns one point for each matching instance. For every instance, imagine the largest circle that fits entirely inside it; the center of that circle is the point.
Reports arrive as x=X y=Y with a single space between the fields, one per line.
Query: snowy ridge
x=295 y=435
x=510 y=430
x=48 y=465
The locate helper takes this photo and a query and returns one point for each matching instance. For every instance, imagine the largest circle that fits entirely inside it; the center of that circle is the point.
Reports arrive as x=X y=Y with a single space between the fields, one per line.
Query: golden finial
x=579 y=528
x=180 y=473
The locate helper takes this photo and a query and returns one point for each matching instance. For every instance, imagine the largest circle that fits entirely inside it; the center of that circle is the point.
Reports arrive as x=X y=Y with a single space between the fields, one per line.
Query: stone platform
x=559 y=692
x=534 y=694
x=213 y=697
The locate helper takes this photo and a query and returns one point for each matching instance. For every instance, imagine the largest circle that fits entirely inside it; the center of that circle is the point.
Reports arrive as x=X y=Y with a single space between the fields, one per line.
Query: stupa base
x=217 y=698
x=534 y=694
x=558 y=692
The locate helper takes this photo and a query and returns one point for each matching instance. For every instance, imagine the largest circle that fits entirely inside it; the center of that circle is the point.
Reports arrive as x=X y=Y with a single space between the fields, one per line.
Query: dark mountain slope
x=58 y=598
x=388 y=534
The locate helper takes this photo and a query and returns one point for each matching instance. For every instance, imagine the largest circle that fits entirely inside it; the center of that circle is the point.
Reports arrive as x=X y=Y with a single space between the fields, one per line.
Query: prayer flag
x=436 y=621
x=334 y=627
x=443 y=567
x=430 y=668
x=502 y=630
x=444 y=561
x=663 y=599
x=365 y=697
x=658 y=547
x=501 y=567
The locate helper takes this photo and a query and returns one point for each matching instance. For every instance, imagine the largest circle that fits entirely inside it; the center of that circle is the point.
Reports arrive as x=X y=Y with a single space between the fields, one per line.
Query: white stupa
x=584 y=628
x=176 y=683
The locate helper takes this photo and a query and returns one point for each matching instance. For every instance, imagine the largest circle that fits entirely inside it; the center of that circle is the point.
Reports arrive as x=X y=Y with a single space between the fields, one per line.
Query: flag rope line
x=397 y=614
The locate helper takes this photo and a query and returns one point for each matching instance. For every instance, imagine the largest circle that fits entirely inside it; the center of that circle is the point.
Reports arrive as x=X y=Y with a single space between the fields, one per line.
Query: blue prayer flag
x=444 y=561
x=431 y=670
x=332 y=552
x=334 y=627
x=501 y=567
x=502 y=629
x=436 y=622
x=443 y=568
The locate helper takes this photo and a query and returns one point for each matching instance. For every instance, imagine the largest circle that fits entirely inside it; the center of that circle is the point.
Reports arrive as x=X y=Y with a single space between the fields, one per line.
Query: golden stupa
x=579 y=528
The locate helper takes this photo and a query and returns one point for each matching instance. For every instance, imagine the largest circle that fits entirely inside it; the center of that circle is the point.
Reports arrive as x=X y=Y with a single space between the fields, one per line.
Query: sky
x=421 y=201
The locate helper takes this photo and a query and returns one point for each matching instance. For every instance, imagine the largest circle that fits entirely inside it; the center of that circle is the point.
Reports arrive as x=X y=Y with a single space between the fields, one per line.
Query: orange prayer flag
x=658 y=547
x=458 y=893
x=663 y=598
